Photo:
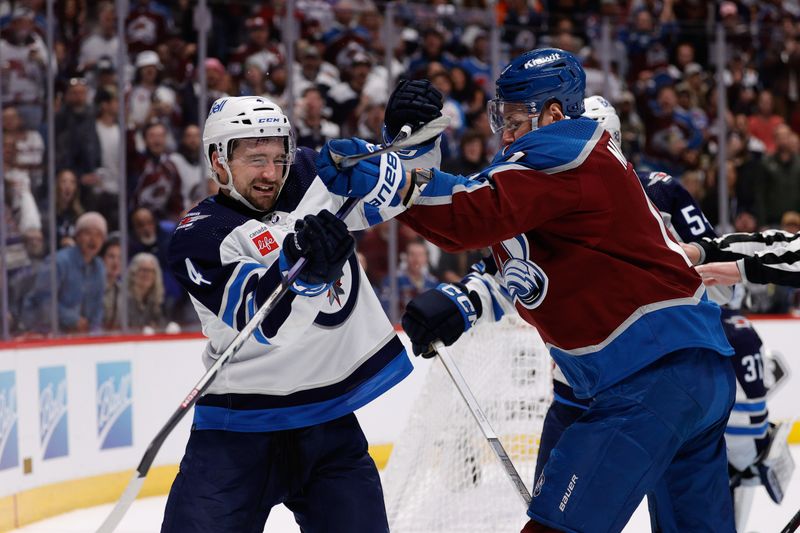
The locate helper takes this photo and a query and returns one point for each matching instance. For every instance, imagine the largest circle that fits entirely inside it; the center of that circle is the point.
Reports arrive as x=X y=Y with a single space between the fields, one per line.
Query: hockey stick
x=483 y=422
x=404 y=139
x=793 y=524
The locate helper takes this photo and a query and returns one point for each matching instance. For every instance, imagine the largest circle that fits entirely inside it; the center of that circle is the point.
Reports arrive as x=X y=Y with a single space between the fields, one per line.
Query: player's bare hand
x=719 y=273
x=692 y=251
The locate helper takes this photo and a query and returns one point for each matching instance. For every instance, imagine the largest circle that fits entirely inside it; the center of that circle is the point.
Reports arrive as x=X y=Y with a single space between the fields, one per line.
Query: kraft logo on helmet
x=542 y=60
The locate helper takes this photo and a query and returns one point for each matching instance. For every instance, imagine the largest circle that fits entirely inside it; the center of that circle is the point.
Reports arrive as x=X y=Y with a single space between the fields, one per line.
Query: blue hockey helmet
x=536 y=78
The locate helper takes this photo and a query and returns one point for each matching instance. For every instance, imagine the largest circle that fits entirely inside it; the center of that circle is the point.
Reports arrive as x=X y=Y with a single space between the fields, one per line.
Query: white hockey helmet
x=601 y=110
x=244 y=117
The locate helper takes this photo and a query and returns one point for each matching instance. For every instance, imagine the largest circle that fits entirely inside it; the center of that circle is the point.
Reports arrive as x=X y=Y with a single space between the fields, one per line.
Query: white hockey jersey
x=314 y=358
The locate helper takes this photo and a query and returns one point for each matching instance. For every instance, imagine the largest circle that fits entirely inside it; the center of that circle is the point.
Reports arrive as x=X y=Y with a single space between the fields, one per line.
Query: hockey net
x=442 y=475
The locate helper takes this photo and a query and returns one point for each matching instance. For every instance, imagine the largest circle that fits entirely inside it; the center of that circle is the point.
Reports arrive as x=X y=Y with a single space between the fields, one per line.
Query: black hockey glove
x=443 y=313
x=414 y=102
x=325 y=242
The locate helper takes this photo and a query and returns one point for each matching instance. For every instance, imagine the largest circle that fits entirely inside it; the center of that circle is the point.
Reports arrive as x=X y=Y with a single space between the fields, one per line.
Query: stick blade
x=123 y=504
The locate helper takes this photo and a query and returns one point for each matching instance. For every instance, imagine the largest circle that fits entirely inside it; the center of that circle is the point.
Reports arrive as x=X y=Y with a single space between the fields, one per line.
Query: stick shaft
x=483 y=422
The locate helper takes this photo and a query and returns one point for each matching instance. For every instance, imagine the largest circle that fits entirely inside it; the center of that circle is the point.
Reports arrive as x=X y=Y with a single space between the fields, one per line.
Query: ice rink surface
x=145 y=515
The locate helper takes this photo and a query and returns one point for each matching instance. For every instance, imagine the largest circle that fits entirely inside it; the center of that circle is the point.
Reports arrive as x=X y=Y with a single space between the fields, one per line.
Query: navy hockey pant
x=229 y=481
x=661 y=431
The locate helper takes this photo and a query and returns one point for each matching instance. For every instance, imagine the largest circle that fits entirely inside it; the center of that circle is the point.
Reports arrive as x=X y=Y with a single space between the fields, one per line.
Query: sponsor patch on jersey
x=190 y=219
x=264 y=241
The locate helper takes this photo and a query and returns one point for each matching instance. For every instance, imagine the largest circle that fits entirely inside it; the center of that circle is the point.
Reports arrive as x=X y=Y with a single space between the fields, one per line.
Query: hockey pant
x=660 y=431
x=229 y=481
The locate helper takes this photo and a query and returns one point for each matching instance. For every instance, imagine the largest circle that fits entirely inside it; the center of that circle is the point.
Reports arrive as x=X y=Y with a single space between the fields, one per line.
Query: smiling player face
x=257 y=166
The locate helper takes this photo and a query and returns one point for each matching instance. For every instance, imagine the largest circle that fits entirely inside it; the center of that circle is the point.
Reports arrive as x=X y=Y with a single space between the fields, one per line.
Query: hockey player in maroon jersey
x=588 y=261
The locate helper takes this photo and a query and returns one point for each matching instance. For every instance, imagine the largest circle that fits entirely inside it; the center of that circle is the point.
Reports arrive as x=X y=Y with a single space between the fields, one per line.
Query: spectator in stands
x=745 y=222
x=20 y=280
x=648 y=41
x=105 y=74
x=21 y=206
x=145 y=292
x=476 y=63
x=313 y=129
x=312 y=71
x=146 y=80
x=74 y=118
x=375 y=246
x=145 y=26
x=29 y=147
x=762 y=125
x=696 y=81
x=748 y=165
x=790 y=222
x=347 y=99
x=103 y=41
x=779 y=190
x=100 y=185
x=672 y=140
x=187 y=162
x=344 y=28
x=24 y=67
x=113 y=295
x=742 y=82
x=413 y=277
x=158 y=185
x=68 y=208
x=471 y=156
x=80 y=280
x=258 y=43
x=432 y=51
x=452 y=110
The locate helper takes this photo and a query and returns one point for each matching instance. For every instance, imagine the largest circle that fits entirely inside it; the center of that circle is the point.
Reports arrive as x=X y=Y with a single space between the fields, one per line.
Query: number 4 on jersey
x=196 y=277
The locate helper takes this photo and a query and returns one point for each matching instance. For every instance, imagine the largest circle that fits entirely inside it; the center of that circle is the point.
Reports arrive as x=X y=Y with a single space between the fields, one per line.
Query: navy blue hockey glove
x=376 y=180
x=443 y=313
x=324 y=240
x=414 y=102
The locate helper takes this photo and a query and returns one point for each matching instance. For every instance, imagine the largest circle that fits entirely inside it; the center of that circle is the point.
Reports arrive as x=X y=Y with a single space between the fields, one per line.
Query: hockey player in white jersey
x=277 y=425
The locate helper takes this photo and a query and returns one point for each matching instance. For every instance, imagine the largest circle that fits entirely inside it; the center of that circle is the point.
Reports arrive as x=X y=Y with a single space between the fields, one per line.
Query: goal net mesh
x=442 y=475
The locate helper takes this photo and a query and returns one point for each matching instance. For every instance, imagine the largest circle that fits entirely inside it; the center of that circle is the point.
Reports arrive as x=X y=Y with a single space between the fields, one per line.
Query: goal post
x=442 y=476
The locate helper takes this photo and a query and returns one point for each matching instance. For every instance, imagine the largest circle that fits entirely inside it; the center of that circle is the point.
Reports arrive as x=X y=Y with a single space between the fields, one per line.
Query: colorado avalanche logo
x=524 y=280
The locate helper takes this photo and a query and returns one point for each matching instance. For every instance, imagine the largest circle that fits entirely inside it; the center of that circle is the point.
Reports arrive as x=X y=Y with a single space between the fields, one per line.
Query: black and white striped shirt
x=771 y=256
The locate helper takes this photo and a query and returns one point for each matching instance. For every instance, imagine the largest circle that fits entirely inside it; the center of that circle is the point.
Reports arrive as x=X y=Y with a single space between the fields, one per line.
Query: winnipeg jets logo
x=525 y=281
x=194 y=275
x=335 y=291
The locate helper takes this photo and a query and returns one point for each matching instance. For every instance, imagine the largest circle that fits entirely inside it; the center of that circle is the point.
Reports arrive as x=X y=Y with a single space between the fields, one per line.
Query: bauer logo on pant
x=114 y=404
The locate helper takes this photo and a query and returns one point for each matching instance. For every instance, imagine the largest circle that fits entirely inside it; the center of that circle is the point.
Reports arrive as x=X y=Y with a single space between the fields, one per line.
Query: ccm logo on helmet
x=268 y=119
x=542 y=60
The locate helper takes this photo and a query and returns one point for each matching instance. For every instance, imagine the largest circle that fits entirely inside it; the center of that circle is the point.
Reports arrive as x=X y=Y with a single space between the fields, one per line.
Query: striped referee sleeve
x=771 y=256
